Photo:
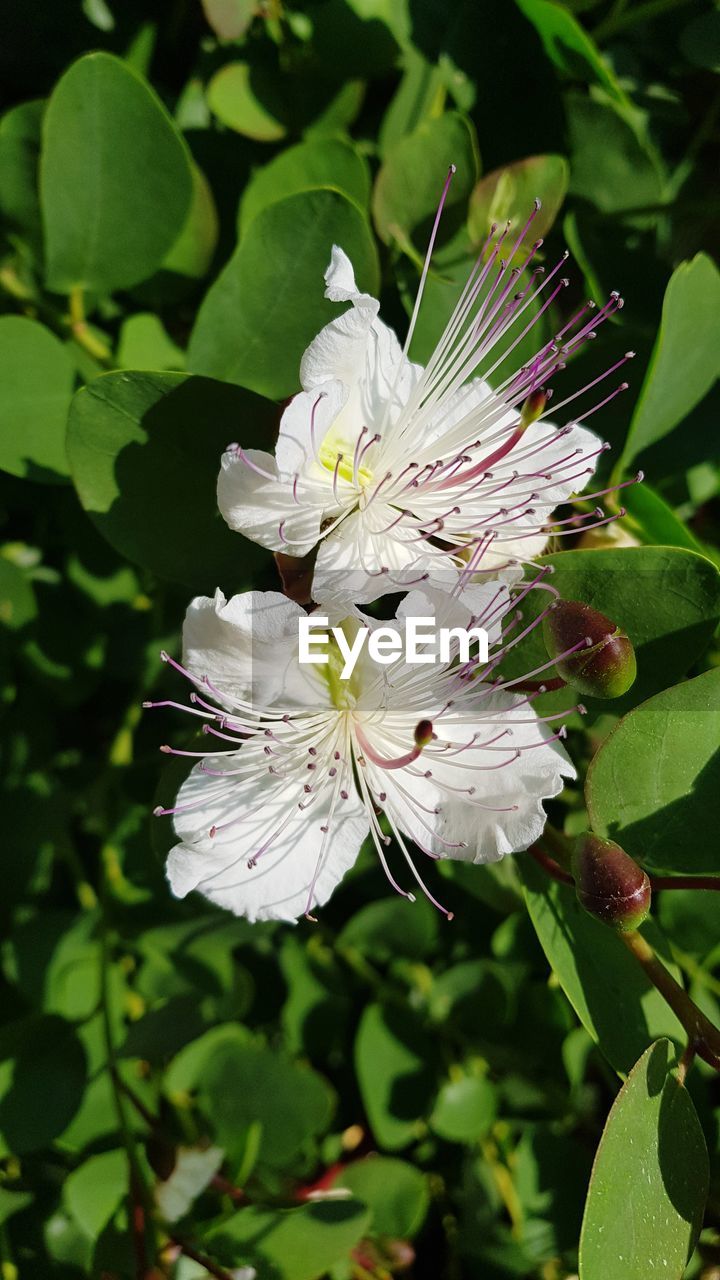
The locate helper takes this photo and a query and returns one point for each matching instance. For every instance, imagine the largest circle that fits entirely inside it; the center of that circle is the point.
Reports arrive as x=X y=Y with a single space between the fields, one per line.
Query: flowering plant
x=400 y=957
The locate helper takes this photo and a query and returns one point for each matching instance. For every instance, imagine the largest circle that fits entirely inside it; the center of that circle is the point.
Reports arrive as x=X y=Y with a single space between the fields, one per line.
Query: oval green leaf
x=298 y=1244
x=666 y=598
x=93 y=1191
x=144 y=450
x=394 y=1063
x=395 y=1191
x=249 y=1084
x=36 y=386
x=508 y=194
x=411 y=180
x=655 y=521
x=115 y=178
x=654 y=785
x=686 y=359
x=606 y=987
x=267 y=304
x=610 y=163
x=247 y=99
x=649 y=1183
x=465 y=1109
x=47 y=1061
x=321 y=162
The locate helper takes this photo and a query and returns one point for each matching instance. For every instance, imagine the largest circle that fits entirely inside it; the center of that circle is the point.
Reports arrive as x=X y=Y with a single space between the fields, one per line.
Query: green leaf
x=392 y=927
x=650 y=1179
x=410 y=182
x=569 y=46
x=248 y=100
x=608 y=990
x=321 y=162
x=93 y=1191
x=465 y=1109
x=297 y=1244
x=36 y=385
x=700 y=40
x=508 y=194
x=666 y=598
x=654 y=785
x=396 y=1193
x=248 y=1084
x=394 y=1063
x=20 y=130
x=187 y=1069
x=267 y=304
x=418 y=96
x=146 y=345
x=48 y=1063
x=610 y=164
x=686 y=359
x=115 y=178
x=229 y=19
x=12 y=1202
x=192 y=253
x=656 y=521
x=144 y=449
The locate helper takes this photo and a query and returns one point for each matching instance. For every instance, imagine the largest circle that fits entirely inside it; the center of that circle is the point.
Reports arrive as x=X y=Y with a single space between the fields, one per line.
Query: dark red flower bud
x=609 y=883
x=602 y=667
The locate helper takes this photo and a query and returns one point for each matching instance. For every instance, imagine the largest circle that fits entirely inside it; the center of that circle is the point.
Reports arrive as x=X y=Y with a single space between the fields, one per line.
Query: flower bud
x=604 y=668
x=609 y=883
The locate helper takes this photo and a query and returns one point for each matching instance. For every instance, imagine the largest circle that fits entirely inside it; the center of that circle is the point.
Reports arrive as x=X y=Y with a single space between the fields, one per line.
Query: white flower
x=401 y=475
x=456 y=761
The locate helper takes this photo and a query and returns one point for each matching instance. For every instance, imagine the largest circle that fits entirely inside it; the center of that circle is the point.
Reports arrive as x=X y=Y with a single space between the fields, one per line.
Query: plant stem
x=549 y=864
x=704 y=1037
x=141 y=1205
x=202 y=1260
x=686 y=882
x=554 y=869
x=81 y=332
x=534 y=686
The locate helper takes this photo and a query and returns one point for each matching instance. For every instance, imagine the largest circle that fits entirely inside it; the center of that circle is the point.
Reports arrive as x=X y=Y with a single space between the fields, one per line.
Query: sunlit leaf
x=686 y=360
x=115 y=178
x=267 y=304
x=650 y=1179
x=654 y=785
x=607 y=988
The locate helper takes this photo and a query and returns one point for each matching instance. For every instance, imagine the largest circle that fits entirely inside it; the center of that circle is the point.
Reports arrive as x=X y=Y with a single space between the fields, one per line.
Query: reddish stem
x=202 y=1260
x=685 y=882
x=534 y=686
x=554 y=869
x=549 y=864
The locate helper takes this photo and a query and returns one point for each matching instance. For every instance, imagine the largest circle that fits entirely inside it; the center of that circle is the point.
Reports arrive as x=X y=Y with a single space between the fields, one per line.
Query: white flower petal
x=359 y=563
x=505 y=815
x=358 y=350
x=294 y=451
x=258 y=506
x=248 y=646
x=278 y=887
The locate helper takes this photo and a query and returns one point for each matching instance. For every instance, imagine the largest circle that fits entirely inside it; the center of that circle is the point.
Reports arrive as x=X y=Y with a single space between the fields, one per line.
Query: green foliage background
x=179 y=1090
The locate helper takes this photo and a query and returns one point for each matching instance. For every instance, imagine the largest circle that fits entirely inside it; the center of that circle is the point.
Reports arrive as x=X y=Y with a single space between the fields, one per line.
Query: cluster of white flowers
x=397 y=479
